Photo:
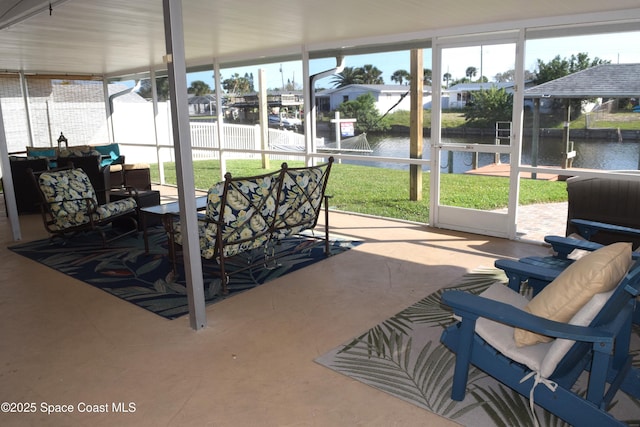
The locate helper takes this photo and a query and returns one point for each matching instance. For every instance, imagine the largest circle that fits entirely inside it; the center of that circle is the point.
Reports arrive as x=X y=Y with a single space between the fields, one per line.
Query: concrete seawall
x=599 y=134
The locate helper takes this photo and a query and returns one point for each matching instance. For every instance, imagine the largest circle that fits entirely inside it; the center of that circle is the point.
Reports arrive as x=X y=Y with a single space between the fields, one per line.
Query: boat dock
x=504 y=169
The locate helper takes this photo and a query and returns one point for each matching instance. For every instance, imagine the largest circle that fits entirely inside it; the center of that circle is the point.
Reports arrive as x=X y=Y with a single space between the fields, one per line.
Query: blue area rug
x=124 y=269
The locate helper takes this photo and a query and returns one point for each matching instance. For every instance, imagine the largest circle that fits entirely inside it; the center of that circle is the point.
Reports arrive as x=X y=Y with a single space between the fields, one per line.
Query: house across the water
x=387 y=97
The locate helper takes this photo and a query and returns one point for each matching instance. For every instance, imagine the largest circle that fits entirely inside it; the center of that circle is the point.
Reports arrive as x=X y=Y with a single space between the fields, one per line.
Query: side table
x=143 y=199
x=163 y=214
x=137 y=176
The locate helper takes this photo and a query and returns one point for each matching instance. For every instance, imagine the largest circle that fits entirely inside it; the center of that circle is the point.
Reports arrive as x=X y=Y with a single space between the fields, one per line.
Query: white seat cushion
x=540 y=357
x=583 y=317
x=501 y=337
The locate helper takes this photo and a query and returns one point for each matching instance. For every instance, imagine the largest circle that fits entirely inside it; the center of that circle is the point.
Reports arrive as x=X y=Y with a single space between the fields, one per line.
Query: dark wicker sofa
x=610 y=201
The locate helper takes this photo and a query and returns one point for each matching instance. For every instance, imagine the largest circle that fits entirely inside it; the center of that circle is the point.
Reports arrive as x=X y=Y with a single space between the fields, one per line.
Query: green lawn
x=385 y=192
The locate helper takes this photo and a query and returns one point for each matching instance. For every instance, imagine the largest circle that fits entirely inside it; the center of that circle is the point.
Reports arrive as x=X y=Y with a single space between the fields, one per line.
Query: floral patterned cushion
x=252 y=215
x=300 y=200
x=248 y=214
x=79 y=151
x=206 y=230
x=72 y=199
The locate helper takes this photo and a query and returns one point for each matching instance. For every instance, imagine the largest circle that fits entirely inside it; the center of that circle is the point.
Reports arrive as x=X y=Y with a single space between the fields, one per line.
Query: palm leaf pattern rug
x=403 y=356
x=124 y=269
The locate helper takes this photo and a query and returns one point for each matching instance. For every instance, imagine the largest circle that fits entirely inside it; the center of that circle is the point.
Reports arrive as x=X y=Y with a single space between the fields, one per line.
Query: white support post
x=257 y=137
x=338 y=121
x=7 y=182
x=220 y=125
x=156 y=130
x=27 y=109
x=310 y=110
x=107 y=110
x=436 y=116
x=176 y=64
x=264 y=116
x=515 y=155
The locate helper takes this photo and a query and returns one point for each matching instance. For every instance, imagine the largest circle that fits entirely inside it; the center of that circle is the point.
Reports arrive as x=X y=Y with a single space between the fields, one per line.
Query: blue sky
x=617 y=48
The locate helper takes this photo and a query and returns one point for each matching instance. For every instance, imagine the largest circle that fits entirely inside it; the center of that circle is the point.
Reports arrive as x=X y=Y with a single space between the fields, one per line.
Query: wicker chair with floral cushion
x=69 y=205
x=89 y=160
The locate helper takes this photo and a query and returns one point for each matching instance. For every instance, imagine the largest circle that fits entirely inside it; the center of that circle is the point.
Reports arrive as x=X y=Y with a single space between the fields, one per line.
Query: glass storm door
x=474 y=181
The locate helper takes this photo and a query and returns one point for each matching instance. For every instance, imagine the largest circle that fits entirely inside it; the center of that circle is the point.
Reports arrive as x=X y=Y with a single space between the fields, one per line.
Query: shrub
x=364 y=110
x=489 y=106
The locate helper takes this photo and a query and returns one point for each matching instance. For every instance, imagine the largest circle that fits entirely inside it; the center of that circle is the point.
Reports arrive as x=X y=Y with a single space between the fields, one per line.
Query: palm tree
x=367 y=74
x=371 y=75
x=471 y=72
x=348 y=76
x=446 y=77
x=400 y=76
x=426 y=76
x=237 y=84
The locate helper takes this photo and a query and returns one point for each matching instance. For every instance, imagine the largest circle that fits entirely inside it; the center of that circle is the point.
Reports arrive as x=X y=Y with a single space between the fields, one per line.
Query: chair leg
x=133 y=230
x=631 y=383
x=463 y=359
x=167 y=223
x=326 y=226
x=223 y=277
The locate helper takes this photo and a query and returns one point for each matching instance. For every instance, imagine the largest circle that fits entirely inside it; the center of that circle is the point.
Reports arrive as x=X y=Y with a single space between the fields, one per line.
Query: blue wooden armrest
x=470 y=306
x=563 y=246
x=588 y=228
x=536 y=276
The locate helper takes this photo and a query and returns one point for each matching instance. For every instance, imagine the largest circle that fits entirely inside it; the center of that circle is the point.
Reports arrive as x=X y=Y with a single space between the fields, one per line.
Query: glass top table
x=165 y=211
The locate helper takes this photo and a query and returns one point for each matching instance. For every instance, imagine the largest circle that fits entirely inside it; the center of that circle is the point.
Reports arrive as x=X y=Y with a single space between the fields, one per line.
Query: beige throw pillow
x=599 y=271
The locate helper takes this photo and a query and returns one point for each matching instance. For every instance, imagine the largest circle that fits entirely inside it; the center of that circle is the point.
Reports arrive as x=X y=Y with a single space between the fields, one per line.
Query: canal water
x=591 y=154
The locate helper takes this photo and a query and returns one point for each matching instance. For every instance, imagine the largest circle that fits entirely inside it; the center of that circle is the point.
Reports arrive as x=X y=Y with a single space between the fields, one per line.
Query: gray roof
x=607 y=80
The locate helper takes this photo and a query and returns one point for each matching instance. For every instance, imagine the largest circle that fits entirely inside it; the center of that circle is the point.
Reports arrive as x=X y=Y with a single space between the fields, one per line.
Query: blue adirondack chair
x=538 y=271
x=602 y=348
x=587 y=230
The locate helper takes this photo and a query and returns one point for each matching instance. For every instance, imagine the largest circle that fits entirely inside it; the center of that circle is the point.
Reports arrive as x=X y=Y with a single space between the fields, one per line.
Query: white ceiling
x=123 y=36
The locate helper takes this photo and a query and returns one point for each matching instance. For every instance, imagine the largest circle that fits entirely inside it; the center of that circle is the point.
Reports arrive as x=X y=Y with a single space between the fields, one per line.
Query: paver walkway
x=537 y=221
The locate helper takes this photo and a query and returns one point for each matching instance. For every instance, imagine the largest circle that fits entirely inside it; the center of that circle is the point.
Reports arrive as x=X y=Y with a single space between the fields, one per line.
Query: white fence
x=205 y=144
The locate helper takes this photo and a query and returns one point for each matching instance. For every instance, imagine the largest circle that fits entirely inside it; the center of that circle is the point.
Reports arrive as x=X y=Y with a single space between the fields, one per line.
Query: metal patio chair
x=70 y=206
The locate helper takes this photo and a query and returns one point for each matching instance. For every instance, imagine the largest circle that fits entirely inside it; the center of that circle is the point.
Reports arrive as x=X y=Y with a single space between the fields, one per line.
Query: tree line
x=545 y=71
x=487 y=106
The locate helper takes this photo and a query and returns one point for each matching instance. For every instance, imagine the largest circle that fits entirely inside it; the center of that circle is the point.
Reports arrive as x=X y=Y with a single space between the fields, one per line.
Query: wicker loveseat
x=248 y=213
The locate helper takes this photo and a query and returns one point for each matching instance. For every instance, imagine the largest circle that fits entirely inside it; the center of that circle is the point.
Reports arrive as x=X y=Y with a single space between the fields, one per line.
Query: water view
x=590 y=154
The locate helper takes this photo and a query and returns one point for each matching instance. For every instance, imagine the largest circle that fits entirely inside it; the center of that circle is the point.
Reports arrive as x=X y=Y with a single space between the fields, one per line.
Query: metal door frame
x=465 y=219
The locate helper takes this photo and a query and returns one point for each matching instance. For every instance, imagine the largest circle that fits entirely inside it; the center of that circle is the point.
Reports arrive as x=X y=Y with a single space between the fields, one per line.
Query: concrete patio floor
x=64 y=342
